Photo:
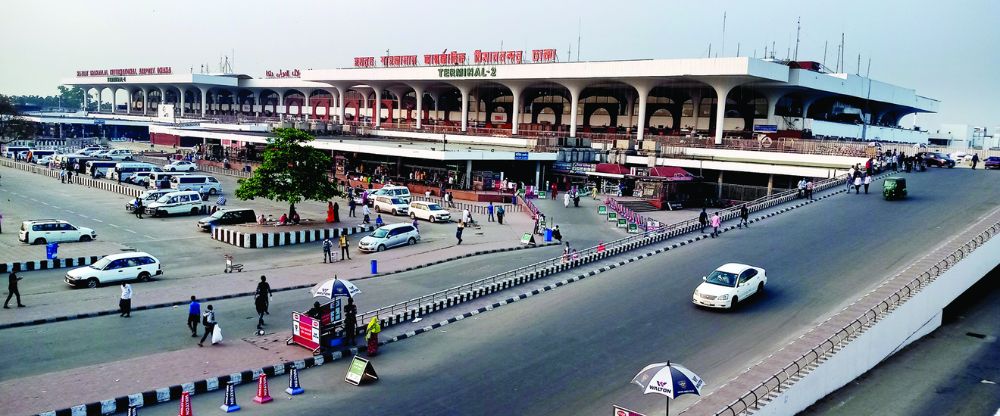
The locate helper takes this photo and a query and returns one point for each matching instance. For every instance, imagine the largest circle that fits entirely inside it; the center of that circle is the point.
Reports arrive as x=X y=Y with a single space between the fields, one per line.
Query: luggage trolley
x=230 y=266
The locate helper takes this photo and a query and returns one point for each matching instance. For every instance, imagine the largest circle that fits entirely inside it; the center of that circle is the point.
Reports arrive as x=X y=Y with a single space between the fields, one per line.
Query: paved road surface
x=572 y=351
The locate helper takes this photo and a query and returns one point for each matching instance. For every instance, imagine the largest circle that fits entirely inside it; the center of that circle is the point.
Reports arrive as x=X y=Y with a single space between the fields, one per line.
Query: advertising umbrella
x=333 y=288
x=668 y=379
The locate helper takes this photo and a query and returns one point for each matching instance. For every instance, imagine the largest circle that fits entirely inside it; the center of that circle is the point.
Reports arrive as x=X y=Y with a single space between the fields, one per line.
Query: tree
x=71 y=97
x=291 y=171
x=12 y=125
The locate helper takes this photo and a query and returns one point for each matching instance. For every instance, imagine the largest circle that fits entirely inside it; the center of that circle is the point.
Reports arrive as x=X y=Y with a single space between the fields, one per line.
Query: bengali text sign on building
x=458 y=58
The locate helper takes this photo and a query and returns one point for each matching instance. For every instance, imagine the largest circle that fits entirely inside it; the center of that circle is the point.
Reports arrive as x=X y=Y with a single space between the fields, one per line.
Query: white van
x=100 y=168
x=147 y=197
x=118 y=154
x=51 y=231
x=400 y=192
x=392 y=204
x=199 y=183
x=124 y=170
x=429 y=211
x=183 y=202
x=161 y=180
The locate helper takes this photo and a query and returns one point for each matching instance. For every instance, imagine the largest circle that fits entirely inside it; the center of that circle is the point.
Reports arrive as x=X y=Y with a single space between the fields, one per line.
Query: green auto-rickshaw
x=894 y=188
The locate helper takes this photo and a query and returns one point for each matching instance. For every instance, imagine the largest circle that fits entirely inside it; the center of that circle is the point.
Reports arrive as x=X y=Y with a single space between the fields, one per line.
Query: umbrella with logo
x=333 y=288
x=668 y=379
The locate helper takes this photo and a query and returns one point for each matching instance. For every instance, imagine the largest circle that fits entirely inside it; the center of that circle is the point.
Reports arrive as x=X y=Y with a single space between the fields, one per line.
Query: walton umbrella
x=333 y=288
x=668 y=379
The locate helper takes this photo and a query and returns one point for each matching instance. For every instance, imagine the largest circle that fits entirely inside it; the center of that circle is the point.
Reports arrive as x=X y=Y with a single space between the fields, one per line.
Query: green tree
x=71 y=97
x=12 y=125
x=291 y=172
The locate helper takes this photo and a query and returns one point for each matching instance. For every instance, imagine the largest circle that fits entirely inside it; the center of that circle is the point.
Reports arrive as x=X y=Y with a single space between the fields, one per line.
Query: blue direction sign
x=520 y=155
x=765 y=128
x=99 y=122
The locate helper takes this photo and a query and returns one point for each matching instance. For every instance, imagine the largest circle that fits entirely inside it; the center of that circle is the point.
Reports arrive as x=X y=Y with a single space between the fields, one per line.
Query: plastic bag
x=217 y=335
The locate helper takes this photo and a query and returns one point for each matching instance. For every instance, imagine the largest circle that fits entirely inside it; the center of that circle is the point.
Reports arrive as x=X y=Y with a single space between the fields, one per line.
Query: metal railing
x=751 y=400
x=585 y=256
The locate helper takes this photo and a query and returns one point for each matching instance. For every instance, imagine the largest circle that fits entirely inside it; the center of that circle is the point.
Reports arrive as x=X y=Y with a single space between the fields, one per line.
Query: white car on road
x=53 y=231
x=389 y=236
x=429 y=211
x=180 y=166
x=729 y=284
x=116 y=268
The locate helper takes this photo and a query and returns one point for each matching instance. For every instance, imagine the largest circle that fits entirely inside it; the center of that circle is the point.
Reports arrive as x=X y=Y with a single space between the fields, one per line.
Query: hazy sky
x=946 y=50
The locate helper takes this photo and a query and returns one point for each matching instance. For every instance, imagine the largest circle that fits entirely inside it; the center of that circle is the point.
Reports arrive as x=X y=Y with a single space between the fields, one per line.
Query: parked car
x=118 y=154
x=180 y=166
x=429 y=211
x=400 y=192
x=140 y=178
x=940 y=160
x=727 y=285
x=45 y=160
x=116 y=268
x=125 y=170
x=392 y=204
x=52 y=231
x=992 y=162
x=227 y=217
x=389 y=236
x=147 y=198
x=183 y=202
x=202 y=184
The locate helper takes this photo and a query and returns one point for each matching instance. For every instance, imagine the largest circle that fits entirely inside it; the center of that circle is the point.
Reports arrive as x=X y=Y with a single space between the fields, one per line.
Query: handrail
x=859 y=325
x=590 y=254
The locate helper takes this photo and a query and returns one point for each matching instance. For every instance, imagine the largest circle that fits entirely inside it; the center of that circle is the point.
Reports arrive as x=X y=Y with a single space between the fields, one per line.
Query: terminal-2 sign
x=468 y=72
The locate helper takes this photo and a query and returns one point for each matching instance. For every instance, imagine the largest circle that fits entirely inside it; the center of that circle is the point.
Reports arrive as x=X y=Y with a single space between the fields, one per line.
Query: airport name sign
x=121 y=72
x=457 y=58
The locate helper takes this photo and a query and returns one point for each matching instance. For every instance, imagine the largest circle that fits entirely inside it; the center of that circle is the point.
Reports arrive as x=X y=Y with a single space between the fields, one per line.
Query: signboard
x=612 y=216
x=165 y=113
x=121 y=72
x=622 y=223
x=98 y=122
x=621 y=411
x=520 y=155
x=542 y=194
x=283 y=73
x=602 y=210
x=633 y=228
x=447 y=58
x=527 y=238
x=305 y=330
x=498 y=57
x=765 y=128
x=360 y=372
x=468 y=72
x=579 y=168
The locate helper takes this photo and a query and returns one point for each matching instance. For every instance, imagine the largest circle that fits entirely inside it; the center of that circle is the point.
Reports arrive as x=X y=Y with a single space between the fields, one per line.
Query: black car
x=940 y=160
x=227 y=217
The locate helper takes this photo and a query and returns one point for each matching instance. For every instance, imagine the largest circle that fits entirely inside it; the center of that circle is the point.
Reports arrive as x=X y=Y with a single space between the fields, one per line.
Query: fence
x=204 y=167
x=77 y=179
x=743 y=192
x=790 y=373
x=394 y=314
x=473 y=208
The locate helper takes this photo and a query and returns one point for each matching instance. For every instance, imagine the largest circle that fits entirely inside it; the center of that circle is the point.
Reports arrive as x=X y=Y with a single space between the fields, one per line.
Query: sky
x=946 y=50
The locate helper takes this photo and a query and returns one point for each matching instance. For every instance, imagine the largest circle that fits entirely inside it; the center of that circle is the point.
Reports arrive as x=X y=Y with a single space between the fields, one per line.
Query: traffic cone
x=263 y=393
x=230 y=405
x=133 y=411
x=185 y=409
x=293 y=382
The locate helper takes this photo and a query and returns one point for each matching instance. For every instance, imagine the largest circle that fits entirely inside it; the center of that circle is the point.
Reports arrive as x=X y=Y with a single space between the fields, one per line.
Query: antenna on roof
x=773 y=48
x=579 y=28
x=737 y=49
x=723 y=35
x=798 y=28
x=825 y=42
x=709 y=49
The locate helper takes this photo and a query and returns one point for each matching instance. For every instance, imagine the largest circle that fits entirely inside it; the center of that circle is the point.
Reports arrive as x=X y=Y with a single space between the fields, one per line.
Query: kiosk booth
x=323 y=327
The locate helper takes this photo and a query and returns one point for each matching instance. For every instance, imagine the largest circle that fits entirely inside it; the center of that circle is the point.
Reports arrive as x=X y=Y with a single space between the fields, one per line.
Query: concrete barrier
x=279 y=237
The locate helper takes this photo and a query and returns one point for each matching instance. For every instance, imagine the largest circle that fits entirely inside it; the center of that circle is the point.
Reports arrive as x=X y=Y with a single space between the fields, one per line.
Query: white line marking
x=45 y=203
x=149 y=237
x=113 y=225
x=33 y=199
x=71 y=211
x=133 y=232
x=81 y=215
x=95 y=219
x=56 y=207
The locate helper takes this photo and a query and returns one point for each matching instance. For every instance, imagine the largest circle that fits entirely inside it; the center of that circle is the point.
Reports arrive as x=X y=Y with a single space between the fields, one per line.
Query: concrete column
x=629 y=110
x=341 y=99
x=468 y=174
x=281 y=103
x=377 y=114
x=465 y=107
x=163 y=98
x=696 y=102
x=114 y=100
x=805 y=109
x=303 y=109
x=772 y=104
x=419 y=93
x=515 y=114
x=643 y=88
x=436 y=97
x=770 y=184
x=86 y=91
x=204 y=100
x=128 y=102
x=719 y=189
x=538 y=173
x=574 y=94
x=182 y=94
x=722 y=89
x=145 y=102
x=256 y=103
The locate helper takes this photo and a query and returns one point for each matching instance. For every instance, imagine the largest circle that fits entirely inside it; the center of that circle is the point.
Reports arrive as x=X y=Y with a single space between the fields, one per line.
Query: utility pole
x=798 y=29
x=864 y=123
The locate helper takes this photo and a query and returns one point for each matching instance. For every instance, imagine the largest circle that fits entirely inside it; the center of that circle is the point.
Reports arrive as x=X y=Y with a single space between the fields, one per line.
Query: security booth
x=668 y=187
x=611 y=177
x=319 y=334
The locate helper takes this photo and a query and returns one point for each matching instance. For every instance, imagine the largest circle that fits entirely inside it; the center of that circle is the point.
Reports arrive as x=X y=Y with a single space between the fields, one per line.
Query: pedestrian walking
x=867 y=181
x=69 y=176
x=576 y=199
x=467 y=217
x=744 y=217
x=194 y=315
x=555 y=191
x=209 y=322
x=850 y=178
x=260 y=304
x=12 y=291
x=138 y=208
x=857 y=184
x=371 y=335
x=344 y=252
x=566 y=200
x=809 y=189
x=703 y=220
x=327 y=248
x=458 y=231
x=500 y=212
x=802 y=187
x=975 y=160
x=556 y=234
x=593 y=192
x=264 y=291
x=350 y=322
x=62 y=175
x=366 y=214
x=716 y=223
x=350 y=207
x=336 y=212
x=125 y=303
x=489 y=212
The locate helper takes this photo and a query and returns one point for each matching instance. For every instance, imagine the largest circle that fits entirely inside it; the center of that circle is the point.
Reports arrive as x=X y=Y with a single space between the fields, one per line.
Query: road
x=573 y=350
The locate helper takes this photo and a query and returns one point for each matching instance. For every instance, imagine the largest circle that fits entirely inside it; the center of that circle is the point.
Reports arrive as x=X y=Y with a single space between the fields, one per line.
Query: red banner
x=305 y=331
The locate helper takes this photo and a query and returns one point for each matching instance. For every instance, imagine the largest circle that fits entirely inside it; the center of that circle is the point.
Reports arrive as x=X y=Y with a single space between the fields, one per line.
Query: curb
x=172 y=393
x=282 y=238
x=28 y=266
x=50 y=320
